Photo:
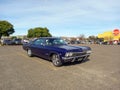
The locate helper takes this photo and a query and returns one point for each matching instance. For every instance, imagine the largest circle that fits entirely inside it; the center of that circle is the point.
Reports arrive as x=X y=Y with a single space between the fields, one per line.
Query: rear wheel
x=29 y=52
x=56 y=60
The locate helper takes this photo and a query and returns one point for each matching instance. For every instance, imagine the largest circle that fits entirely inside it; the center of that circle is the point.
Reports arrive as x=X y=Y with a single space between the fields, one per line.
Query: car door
x=38 y=47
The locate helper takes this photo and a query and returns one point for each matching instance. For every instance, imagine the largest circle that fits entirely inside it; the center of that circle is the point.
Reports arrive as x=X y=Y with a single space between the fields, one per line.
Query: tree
x=38 y=32
x=6 y=28
x=13 y=37
x=81 y=37
x=92 y=38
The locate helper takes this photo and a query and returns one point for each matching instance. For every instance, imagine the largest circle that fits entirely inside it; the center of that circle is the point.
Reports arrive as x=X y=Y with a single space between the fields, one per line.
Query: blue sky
x=62 y=17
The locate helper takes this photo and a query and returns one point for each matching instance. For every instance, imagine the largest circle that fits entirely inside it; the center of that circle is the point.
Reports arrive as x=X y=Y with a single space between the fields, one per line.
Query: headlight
x=89 y=51
x=68 y=54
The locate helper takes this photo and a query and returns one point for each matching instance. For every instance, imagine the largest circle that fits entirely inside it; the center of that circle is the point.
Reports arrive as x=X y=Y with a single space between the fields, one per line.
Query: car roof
x=49 y=37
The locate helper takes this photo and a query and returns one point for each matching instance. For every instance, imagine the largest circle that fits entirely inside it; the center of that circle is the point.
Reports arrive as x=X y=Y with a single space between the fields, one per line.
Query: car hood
x=73 y=48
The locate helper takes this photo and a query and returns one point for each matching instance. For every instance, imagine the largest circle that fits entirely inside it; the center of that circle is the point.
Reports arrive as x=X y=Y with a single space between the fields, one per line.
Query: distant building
x=111 y=36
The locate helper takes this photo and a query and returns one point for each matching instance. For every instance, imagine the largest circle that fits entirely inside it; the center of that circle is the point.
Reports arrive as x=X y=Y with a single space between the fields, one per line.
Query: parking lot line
x=51 y=67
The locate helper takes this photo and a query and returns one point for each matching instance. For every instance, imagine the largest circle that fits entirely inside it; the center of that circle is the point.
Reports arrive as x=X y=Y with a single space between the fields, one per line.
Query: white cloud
x=61 y=14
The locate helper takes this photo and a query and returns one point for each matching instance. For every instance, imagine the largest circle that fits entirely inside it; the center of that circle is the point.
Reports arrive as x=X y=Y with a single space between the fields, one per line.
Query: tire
x=56 y=60
x=29 y=52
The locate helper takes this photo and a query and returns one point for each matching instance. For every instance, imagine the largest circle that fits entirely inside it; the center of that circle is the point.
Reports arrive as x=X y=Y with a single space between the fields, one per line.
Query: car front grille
x=79 y=53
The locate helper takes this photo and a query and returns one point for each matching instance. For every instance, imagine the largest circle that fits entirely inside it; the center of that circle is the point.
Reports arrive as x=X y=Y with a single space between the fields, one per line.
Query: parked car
x=56 y=50
x=105 y=43
x=75 y=42
x=6 y=42
x=16 y=41
x=118 y=43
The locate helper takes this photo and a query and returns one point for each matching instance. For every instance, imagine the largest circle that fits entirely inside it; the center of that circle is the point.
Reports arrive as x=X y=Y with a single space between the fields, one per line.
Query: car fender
x=55 y=52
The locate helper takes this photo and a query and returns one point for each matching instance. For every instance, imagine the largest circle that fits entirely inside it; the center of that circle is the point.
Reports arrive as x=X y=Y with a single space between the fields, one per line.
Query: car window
x=58 y=41
x=49 y=42
x=39 y=42
x=55 y=41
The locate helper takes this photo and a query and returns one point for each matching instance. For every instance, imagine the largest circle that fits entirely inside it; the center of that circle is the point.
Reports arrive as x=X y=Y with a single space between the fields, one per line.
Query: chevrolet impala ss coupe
x=56 y=50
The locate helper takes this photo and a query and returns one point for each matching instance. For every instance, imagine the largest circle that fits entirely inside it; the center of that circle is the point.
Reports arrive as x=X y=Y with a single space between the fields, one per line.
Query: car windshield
x=55 y=41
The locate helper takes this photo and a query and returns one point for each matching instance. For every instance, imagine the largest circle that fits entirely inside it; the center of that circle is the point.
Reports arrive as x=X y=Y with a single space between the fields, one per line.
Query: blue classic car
x=56 y=50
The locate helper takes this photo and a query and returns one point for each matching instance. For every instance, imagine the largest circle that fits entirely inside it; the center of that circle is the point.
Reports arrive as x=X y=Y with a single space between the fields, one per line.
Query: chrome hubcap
x=55 y=59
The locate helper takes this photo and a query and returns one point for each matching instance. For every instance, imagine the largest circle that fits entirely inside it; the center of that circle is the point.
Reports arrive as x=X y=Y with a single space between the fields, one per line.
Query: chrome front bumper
x=75 y=58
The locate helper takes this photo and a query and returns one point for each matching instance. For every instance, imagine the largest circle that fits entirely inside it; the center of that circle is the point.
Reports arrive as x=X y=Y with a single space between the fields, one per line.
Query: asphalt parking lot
x=20 y=72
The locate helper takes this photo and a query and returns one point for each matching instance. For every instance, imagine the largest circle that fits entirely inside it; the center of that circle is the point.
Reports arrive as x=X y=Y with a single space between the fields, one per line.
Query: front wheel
x=56 y=60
